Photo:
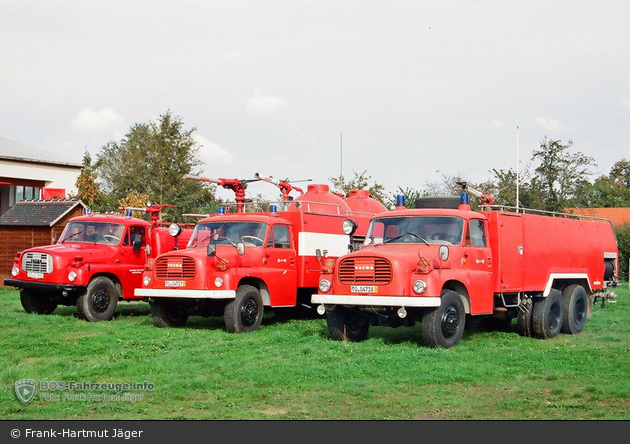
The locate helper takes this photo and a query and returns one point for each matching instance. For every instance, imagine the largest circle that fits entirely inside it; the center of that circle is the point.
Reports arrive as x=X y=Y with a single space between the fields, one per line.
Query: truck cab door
x=280 y=257
x=510 y=249
x=132 y=259
x=477 y=261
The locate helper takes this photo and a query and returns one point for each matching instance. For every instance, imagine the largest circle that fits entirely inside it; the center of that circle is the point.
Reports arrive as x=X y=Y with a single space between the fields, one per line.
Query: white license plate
x=364 y=289
x=34 y=275
x=175 y=283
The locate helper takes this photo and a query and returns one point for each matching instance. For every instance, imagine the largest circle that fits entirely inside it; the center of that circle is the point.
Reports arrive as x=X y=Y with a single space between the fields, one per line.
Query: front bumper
x=184 y=294
x=44 y=286
x=375 y=301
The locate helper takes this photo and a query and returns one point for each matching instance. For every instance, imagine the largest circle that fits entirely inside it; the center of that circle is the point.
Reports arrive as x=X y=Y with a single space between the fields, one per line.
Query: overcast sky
x=404 y=90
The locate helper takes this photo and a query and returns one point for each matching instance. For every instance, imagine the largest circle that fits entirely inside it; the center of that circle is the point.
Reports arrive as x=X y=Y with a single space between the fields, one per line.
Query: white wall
x=55 y=176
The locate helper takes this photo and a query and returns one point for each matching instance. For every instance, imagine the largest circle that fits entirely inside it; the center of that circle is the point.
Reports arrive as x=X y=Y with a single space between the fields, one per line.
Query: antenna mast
x=341 y=155
x=517 y=196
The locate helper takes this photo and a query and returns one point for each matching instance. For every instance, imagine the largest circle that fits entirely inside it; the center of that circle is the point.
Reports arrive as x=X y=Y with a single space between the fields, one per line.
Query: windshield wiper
x=407 y=234
x=419 y=237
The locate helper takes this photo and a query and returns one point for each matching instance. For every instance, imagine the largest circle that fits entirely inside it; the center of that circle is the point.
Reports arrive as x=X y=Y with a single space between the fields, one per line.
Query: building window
x=19 y=193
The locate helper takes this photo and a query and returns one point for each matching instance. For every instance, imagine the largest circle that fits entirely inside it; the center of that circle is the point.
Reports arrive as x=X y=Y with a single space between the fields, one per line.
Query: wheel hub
x=101 y=301
x=249 y=313
x=450 y=322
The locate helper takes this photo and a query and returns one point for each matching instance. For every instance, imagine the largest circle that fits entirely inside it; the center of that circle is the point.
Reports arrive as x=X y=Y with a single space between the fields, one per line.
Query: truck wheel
x=443 y=326
x=524 y=319
x=37 y=302
x=244 y=314
x=345 y=324
x=575 y=304
x=451 y=202
x=100 y=301
x=166 y=314
x=547 y=316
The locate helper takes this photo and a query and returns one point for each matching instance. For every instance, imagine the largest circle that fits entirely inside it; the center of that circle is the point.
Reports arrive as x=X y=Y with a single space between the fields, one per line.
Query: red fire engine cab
x=97 y=261
x=235 y=264
x=445 y=267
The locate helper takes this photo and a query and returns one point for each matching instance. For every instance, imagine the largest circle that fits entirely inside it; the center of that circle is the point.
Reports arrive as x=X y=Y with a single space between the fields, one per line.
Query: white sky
x=404 y=90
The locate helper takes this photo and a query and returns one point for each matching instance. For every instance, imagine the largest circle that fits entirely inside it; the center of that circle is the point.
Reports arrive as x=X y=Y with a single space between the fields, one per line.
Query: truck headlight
x=146 y=280
x=72 y=276
x=15 y=271
x=419 y=286
x=324 y=285
x=218 y=281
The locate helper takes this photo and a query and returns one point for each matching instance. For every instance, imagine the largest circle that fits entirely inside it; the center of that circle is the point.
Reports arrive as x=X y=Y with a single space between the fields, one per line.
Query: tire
x=575 y=304
x=166 y=314
x=444 y=326
x=244 y=314
x=345 y=324
x=451 y=202
x=547 y=316
x=38 y=303
x=100 y=301
x=524 y=319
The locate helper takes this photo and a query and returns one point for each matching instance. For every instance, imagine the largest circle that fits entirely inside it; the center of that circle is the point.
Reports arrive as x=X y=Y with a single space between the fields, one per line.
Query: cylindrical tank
x=319 y=199
x=361 y=202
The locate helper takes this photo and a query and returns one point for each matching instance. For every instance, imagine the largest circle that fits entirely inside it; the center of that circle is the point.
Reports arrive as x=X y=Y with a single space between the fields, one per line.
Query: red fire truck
x=445 y=267
x=236 y=264
x=98 y=260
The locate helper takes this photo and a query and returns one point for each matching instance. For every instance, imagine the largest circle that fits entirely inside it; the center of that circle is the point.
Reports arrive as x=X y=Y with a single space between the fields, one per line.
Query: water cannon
x=284 y=185
x=151 y=209
x=236 y=185
x=485 y=197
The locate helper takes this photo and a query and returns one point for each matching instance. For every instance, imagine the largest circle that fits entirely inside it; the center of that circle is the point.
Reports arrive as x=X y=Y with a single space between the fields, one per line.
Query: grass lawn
x=291 y=369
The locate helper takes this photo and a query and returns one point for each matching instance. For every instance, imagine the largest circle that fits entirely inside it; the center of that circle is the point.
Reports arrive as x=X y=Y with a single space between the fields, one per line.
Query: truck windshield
x=252 y=234
x=440 y=230
x=93 y=233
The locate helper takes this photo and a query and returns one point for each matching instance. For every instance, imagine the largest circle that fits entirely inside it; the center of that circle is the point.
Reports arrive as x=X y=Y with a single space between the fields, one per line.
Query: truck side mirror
x=212 y=250
x=137 y=242
x=443 y=253
x=240 y=247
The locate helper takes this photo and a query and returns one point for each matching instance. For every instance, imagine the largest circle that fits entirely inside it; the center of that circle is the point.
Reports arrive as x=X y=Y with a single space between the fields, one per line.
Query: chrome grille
x=365 y=271
x=175 y=267
x=37 y=263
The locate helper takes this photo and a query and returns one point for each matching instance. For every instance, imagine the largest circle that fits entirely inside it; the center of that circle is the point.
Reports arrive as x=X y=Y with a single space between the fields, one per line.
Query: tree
x=360 y=182
x=561 y=175
x=620 y=173
x=608 y=191
x=152 y=159
x=88 y=188
x=410 y=196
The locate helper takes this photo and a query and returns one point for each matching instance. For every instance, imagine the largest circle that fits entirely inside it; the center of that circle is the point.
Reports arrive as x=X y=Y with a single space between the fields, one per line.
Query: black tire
x=451 y=202
x=547 y=316
x=100 y=301
x=39 y=303
x=166 y=314
x=345 y=324
x=244 y=314
x=575 y=302
x=524 y=318
x=444 y=326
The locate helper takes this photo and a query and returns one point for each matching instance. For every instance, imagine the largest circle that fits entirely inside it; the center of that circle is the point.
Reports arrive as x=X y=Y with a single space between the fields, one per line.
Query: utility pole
x=341 y=154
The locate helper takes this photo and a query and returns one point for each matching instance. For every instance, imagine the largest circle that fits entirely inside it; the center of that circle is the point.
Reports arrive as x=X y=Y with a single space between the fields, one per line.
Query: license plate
x=364 y=289
x=34 y=275
x=175 y=283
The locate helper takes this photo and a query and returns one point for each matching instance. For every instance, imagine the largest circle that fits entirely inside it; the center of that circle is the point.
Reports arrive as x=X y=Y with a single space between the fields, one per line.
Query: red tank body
x=442 y=266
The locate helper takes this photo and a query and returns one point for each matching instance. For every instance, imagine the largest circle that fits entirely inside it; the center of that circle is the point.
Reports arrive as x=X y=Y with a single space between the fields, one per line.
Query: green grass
x=292 y=370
